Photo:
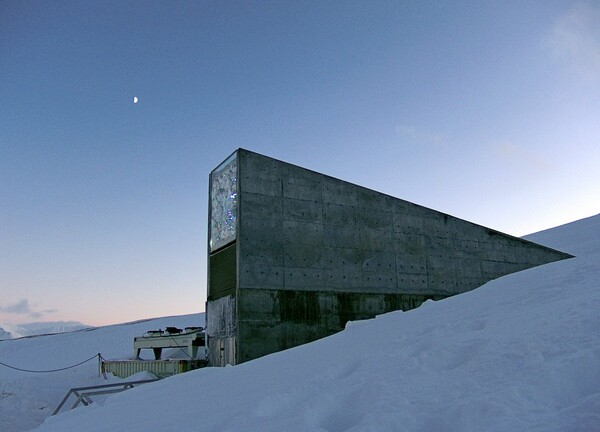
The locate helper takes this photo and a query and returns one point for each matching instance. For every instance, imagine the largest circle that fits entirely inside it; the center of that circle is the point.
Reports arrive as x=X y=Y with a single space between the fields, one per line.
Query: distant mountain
x=10 y=331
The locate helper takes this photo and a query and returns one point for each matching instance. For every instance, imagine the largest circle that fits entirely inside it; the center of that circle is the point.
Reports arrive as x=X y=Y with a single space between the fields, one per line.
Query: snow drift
x=26 y=399
x=520 y=353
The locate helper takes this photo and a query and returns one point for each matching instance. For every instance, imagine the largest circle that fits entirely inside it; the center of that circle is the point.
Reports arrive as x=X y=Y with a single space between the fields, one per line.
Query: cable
x=180 y=347
x=51 y=370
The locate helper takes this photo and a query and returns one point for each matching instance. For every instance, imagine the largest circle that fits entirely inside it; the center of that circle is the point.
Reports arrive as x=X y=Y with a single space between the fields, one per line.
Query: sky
x=487 y=111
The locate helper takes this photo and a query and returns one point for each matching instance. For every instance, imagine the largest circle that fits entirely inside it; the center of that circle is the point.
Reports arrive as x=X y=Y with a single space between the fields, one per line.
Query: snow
x=520 y=353
x=10 y=331
x=26 y=399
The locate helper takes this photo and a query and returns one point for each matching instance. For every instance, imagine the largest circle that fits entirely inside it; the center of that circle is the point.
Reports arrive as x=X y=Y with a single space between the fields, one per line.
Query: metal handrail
x=83 y=394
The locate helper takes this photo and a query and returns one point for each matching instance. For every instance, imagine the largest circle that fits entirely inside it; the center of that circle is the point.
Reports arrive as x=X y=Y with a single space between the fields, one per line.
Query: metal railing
x=83 y=394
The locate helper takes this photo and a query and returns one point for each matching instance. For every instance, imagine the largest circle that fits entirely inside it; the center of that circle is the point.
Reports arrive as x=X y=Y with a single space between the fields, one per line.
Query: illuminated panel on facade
x=223 y=203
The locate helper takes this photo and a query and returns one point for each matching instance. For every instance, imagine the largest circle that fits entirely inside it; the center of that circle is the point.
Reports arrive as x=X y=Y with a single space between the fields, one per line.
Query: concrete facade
x=301 y=253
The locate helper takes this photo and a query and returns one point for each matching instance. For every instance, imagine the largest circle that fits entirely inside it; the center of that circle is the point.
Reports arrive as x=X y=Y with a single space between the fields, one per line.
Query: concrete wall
x=314 y=252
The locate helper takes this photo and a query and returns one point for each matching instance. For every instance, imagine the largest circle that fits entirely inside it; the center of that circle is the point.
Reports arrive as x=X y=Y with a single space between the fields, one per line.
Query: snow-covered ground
x=26 y=399
x=521 y=353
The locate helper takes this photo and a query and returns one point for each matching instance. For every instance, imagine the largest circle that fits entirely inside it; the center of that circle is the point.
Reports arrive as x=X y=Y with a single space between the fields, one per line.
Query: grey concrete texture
x=274 y=320
x=300 y=229
x=314 y=252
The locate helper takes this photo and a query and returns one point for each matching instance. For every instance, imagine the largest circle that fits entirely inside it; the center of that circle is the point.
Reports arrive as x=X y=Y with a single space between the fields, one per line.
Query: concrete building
x=295 y=254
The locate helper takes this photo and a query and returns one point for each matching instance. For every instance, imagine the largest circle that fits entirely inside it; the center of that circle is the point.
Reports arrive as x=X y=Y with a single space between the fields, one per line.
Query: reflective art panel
x=223 y=203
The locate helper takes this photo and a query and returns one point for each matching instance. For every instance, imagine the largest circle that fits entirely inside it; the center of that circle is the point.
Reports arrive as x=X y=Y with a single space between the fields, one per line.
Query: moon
x=135 y=99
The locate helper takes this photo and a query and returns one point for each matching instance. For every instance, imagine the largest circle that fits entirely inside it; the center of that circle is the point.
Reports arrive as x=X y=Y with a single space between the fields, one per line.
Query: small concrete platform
x=190 y=340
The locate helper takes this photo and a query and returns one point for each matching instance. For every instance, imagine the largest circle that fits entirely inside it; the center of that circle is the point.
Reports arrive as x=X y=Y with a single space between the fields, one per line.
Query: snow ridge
x=520 y=353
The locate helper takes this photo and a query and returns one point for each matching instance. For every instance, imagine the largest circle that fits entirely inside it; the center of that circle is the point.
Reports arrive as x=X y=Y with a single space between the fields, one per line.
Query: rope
x=51 y=370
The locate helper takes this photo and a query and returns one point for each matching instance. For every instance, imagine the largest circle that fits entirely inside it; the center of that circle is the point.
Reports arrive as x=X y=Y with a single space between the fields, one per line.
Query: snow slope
x=26 y=399
x=521 y=353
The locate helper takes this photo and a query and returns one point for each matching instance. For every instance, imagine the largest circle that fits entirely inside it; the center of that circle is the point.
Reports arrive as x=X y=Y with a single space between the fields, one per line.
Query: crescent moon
x=135 y=99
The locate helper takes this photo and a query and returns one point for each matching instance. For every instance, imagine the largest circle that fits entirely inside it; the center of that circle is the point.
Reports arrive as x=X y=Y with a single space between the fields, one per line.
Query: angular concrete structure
x=294 y=255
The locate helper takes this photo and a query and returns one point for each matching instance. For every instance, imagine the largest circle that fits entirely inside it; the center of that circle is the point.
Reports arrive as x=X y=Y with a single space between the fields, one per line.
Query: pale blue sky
x=488 y=111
